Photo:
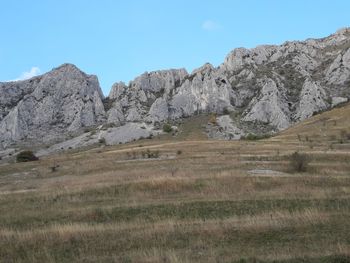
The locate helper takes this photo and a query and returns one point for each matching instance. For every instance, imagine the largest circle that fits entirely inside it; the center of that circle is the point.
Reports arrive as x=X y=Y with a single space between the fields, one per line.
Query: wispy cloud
x=210 y=25
x=34 y=71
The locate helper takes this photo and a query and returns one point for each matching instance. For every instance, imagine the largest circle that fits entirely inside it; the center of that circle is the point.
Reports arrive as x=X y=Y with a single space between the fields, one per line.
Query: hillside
x=185 y=198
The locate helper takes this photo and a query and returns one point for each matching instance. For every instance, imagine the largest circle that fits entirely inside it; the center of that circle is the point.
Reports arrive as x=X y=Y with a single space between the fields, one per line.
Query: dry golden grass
x=205 y=204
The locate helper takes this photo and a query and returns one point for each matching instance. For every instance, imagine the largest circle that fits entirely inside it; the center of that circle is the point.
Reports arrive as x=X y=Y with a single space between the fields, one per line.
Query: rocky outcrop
x=266 y=89
x=104 y=136
x=339 y=71
x=269 y=107
x=312 y=99
x=272 y=86
x=224 y=129
x=50 y=106
x=144 y=98
x=205 y=90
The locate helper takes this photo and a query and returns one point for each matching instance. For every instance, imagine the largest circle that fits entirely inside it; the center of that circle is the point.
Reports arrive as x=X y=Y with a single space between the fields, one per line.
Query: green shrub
x=212 y=119
x=26 y=156
x=254 y=137
x=299 y=162
x=225 y=111
x=149 y=154
x=167 y=128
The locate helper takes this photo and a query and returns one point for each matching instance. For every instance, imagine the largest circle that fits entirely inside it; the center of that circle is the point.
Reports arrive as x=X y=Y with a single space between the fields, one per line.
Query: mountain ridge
x=263 y=89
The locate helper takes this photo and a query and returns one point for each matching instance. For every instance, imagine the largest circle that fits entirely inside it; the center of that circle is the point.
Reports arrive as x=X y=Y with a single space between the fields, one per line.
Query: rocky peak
x=206 y=69
x=47 y=107
x=117 y=90
x=157 y=81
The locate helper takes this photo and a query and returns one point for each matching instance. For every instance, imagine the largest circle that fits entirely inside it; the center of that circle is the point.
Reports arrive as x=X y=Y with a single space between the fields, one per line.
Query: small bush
x=255 y=137
x=179 y=152
x=212 y=119
x=344 y=135
x=167 y=128
x=26 y=156
x=102 y=141
x=299 y=137
x=299 y=162
x=225 y=111
x=149 y=154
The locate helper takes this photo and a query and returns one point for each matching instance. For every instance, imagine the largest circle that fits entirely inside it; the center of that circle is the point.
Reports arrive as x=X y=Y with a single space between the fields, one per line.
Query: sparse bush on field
x=167 y=128
x=212 y=119
x=26 y=156
x=254 y=137
x=102 y=141
x=54 y=167
x=344 y=136
x=299 y=162
x=149 y=154
x=131 y=155
x=179 y=152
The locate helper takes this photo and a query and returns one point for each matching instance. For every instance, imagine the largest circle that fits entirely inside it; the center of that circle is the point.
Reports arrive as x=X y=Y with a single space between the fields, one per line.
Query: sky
x=119 y=40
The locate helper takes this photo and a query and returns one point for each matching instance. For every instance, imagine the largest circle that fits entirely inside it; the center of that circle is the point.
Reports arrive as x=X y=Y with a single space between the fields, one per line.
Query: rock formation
x=271 y=86
x=49 y=107
x=264 y=89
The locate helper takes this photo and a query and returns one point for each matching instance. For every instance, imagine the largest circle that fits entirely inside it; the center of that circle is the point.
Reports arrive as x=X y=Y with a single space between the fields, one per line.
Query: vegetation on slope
x=217 y=201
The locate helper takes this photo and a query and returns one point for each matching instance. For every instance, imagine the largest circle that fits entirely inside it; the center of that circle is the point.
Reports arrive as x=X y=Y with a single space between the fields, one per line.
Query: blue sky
x=119 y=40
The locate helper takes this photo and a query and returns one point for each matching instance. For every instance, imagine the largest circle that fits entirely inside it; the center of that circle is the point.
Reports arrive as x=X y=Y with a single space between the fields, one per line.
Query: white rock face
x=205 y=91
x=159 y=110
x=270 y=107
x=338 y=100
x=61 y=101
x=339 y=70
x=115 y=114
x=225 y=129
x=145 y=98
x=117 y=90
x=127 y=133
x=242 y=57
x=312 y=100
x=111 y=136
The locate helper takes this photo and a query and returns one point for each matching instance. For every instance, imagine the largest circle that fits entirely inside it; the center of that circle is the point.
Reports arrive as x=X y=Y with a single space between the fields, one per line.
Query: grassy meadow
x=193 y=200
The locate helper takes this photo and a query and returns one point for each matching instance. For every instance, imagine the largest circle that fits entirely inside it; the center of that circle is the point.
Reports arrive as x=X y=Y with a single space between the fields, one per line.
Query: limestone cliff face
x=50 y=106
x=269 y=85
x=267 y=88
x=145 y=98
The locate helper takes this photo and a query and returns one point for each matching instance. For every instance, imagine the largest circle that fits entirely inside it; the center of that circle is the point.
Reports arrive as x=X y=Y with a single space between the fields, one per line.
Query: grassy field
x=194 y=200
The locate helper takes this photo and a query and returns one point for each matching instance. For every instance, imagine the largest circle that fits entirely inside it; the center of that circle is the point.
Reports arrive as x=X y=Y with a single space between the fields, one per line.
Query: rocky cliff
x=259 y=90
x=47 y=108
x=268 y=87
